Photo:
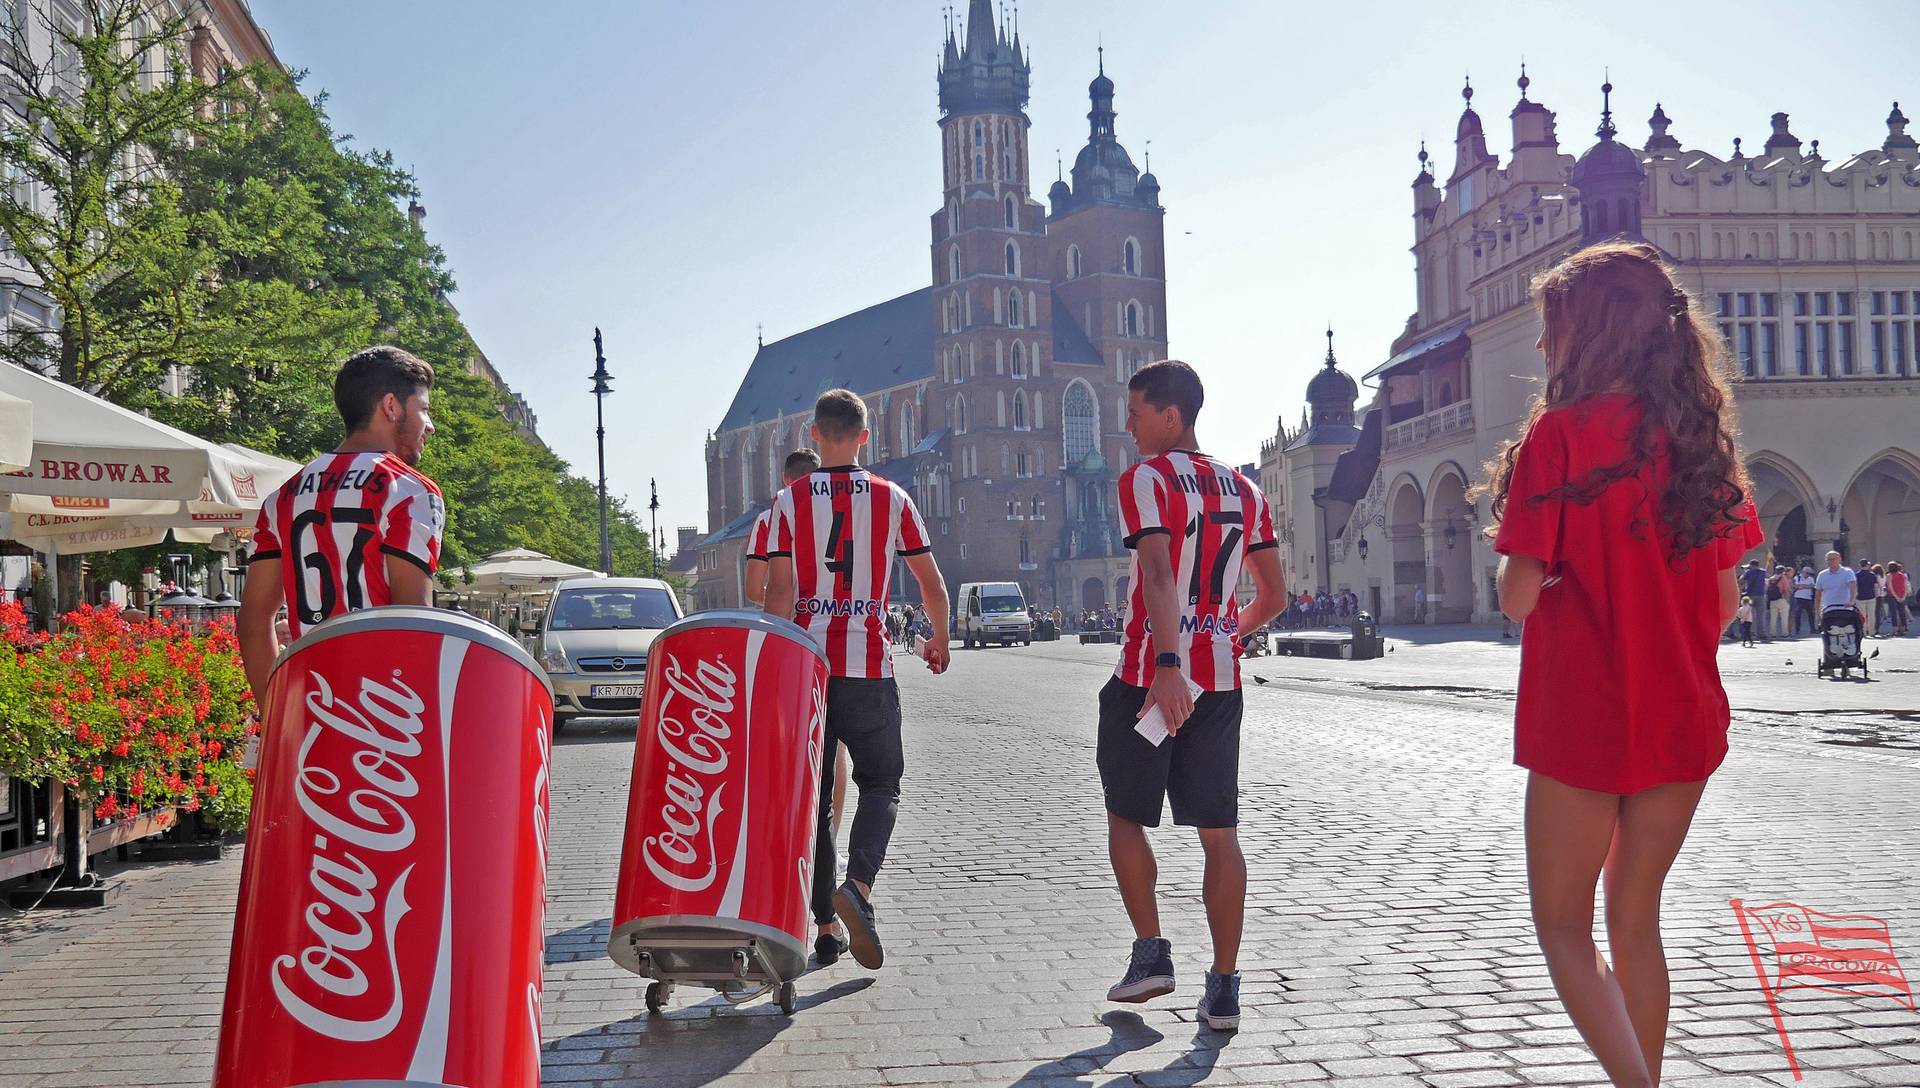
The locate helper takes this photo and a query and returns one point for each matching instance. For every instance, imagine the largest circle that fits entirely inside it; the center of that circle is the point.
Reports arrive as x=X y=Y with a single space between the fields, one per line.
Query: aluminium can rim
x=749 y=619
x=411 y=617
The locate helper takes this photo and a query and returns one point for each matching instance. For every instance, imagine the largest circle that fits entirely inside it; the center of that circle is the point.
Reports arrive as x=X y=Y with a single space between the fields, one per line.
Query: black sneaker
x=1220 y=1005
x=828 y=948
x=857 y=915
x=1149 y=972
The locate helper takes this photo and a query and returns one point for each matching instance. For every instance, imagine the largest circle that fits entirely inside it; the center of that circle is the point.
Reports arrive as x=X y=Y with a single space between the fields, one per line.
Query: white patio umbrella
x=517 y=569
x=96 y=459
x=101 y=476
x=16 y=433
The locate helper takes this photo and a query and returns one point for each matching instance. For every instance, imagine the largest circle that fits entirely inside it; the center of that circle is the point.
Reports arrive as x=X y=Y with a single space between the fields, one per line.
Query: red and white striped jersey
x=843 y=526
x=1213 y=517
x=759 y=538
x=334 y=523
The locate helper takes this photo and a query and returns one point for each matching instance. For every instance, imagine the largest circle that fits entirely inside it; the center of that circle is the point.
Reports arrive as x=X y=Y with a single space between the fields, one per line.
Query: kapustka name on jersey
x=828 y=606
x=1208 y=484
x=838 y=485
x=1205 y=625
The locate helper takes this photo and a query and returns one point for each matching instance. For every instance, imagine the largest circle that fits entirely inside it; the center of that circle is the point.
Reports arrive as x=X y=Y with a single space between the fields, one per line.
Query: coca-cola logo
x=353 y=921
x=695 y=725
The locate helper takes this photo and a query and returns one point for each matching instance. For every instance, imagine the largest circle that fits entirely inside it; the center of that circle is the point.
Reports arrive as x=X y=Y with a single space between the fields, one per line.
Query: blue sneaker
x=1149 y=972
x=1220 y=1005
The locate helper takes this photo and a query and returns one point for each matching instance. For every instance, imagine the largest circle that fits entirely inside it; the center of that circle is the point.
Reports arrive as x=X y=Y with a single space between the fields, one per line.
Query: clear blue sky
x=678 y=172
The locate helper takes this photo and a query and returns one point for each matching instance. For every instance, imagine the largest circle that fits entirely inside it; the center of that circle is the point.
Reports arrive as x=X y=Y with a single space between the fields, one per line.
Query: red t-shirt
x=1619 y=675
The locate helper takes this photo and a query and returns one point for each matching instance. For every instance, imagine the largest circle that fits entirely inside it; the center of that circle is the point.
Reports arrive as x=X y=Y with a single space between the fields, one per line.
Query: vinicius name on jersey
x=1208 y=484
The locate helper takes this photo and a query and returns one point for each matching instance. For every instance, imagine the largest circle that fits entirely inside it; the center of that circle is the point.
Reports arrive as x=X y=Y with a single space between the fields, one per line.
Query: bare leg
x=1224 y=887
x=1653 y=825
x=1569 y=831
x=1137 y=873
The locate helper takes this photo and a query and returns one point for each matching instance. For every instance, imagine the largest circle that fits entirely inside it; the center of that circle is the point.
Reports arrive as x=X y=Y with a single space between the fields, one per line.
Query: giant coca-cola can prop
x=726 y=776
x=391 y=904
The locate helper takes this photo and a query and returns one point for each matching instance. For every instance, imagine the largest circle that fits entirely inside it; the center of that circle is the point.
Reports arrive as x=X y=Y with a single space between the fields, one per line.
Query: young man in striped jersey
x=835 y=535
x=801 y=462
x=798 y=465
x=357 y=528
x=1191 y=522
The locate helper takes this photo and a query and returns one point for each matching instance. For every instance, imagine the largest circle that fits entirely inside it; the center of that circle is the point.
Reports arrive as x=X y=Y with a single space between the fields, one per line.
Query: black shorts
x=1198 y=768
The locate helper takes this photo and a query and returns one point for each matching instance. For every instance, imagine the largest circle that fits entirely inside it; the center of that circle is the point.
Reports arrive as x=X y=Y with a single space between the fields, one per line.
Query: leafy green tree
x=86 y=206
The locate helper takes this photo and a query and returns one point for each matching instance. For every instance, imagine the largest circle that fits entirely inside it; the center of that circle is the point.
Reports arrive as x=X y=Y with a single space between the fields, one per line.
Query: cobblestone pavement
x=1388 y=942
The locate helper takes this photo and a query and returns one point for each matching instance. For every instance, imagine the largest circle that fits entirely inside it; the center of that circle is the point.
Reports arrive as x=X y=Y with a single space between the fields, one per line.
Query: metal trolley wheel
x=786 y=998
x=657 y=995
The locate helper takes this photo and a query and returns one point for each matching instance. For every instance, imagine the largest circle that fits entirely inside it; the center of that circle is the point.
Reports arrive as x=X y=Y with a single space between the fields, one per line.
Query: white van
x=994 y=612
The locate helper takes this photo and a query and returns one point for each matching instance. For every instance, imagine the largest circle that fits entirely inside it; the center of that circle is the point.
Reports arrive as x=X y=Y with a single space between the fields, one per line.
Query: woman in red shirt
x=1621 y=515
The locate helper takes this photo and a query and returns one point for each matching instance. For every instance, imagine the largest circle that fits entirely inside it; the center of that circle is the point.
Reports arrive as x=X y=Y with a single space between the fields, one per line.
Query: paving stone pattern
x=1388 y=940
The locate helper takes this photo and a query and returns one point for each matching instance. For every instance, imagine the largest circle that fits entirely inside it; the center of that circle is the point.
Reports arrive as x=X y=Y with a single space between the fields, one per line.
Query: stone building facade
x=997 y=392
x=1811 y=264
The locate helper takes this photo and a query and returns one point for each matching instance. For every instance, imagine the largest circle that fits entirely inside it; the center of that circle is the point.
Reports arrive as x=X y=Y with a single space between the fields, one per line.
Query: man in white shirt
x=1835 y=587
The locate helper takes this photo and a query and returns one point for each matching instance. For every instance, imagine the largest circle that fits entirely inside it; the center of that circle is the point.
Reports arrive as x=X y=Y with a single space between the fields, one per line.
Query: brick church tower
x=1038 y=320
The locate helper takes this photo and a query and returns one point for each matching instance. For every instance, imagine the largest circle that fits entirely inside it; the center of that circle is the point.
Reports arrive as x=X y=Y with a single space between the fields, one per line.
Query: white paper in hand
x=1154 y=725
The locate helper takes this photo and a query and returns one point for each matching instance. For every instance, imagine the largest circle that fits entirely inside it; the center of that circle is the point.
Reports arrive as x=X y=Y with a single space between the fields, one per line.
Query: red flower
x=99 y=772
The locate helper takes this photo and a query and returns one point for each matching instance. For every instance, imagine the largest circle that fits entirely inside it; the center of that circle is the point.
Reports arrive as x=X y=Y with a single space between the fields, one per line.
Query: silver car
x=595 y=640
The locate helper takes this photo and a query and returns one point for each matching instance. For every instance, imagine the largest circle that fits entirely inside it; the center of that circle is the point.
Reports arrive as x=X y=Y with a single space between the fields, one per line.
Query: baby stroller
x=1840 y=632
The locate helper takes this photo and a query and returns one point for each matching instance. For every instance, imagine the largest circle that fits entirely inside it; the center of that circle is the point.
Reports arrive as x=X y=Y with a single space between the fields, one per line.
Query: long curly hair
x=1614 y=321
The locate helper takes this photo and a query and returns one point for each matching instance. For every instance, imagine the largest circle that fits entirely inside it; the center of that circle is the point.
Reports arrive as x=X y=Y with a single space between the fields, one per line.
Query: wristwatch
x=1167 y=661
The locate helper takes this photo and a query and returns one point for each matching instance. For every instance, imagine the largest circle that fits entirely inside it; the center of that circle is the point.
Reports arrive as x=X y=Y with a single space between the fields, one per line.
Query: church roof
x=734 y=529
x=865 y=351
x=1326 y=434
x=1353 y=472
x=1070 y=343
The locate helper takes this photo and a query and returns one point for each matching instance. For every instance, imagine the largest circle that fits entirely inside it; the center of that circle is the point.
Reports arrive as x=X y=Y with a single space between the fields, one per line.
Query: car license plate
x=614 y=691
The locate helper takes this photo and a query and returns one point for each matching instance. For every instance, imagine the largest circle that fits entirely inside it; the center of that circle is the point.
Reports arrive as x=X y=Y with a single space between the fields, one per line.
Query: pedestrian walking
x=1192 y=522
x=1779 y=596
x=1803 y=591
x=836 y=533
x=798 y=465
x=1419 y=604
x=1620 y=515
x=1867 y=585
x=358 y=527
x=1898 y=587
x=1753 y=585
x=1745 y=618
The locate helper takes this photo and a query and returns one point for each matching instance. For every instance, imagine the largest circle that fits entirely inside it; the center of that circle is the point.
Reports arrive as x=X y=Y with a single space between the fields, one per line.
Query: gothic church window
x=1013 y=310
x=1019 y=410
x=953 y=264
x=1073 y=262
x=1133 y=318
x=1013 y=259
x=1013 y=213
x=1019 y=352
x=1079 y=421
x=1130 y=258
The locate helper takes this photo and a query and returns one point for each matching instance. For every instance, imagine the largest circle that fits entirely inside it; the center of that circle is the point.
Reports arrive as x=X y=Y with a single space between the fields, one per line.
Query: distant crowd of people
x=1320 y=609
x=1788 y=603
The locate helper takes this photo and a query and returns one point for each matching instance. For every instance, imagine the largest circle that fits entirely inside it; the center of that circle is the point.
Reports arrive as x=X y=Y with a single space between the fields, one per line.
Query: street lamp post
x=600 y=391
x=653 y=505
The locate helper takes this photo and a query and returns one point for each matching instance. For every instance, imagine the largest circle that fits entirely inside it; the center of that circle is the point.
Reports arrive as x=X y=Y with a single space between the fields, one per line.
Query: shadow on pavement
x=581 y=943
x=597 y=731
x=700 y=1043
x=1130 y=1033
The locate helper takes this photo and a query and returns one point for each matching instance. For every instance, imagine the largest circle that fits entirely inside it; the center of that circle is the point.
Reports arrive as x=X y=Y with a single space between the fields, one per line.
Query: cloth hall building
x=997 y=392
x=1811 y=263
